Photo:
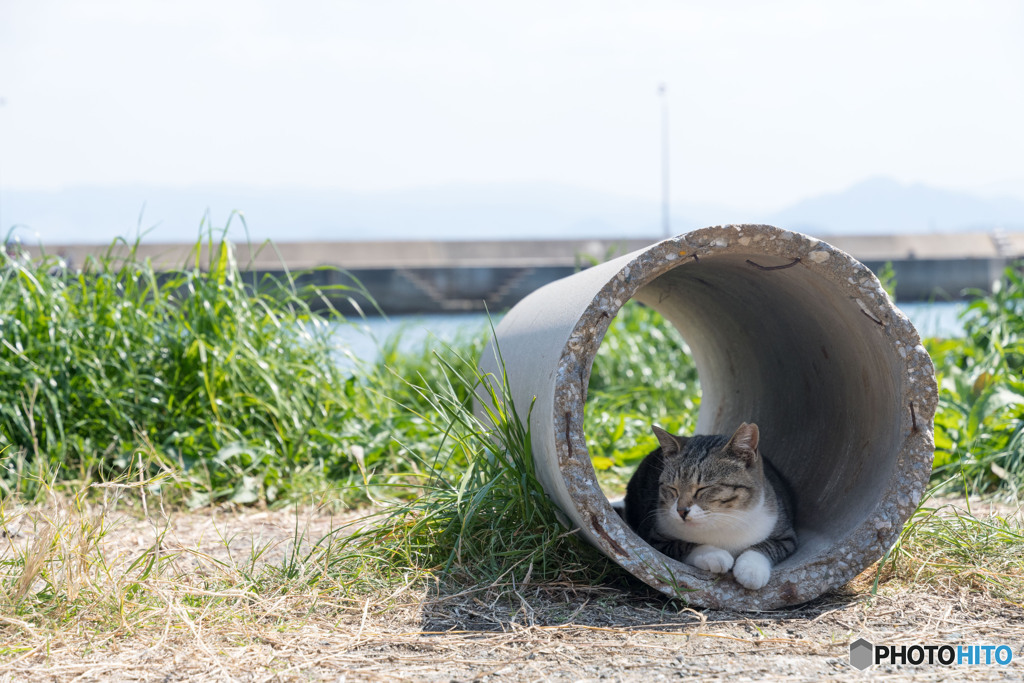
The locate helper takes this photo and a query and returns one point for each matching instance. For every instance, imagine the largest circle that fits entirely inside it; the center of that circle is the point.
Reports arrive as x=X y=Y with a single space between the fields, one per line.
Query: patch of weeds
x=231 y=381
x=979 y=424
x=478 y=513
x=945 y=546
x=641 y=349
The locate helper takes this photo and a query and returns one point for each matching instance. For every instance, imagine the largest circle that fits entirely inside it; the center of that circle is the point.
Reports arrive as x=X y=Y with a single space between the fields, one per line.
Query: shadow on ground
x=624 y=604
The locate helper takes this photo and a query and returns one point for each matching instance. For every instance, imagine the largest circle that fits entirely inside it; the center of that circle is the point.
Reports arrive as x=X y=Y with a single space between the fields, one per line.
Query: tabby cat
x=714 y=502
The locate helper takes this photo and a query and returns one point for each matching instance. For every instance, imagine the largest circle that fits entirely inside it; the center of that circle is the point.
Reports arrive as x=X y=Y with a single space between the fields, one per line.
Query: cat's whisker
x=704 y=471
x=723 y=514
x=728 y=522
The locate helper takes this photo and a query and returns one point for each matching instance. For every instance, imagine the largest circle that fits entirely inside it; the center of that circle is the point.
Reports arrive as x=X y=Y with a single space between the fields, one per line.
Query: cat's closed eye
x=712 y=501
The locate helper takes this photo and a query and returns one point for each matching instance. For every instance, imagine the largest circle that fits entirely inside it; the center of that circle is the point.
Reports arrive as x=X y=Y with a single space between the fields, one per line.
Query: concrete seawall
x=432 y=277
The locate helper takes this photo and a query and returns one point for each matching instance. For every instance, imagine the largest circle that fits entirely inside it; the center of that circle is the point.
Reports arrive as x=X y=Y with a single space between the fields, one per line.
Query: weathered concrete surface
x=357 y=255
x=441 y=276
x=788 y=332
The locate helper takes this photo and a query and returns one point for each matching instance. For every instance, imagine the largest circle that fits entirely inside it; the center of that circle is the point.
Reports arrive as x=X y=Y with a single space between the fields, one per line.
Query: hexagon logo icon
x=861 y=653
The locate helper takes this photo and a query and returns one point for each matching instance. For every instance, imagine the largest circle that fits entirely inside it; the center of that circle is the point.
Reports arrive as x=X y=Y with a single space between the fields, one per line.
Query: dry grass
x=103 y=590
x=951 y=544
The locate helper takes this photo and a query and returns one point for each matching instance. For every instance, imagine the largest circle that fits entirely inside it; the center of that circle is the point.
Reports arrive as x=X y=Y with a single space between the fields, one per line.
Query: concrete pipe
x=786 y=331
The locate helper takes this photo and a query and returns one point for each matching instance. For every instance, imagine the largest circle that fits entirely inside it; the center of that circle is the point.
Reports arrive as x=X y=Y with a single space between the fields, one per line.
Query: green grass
x=232 y=385
x=477 y=512
x=211 y=389
x=979 y=425
x=639 y=350
x=207 y=388
x=491 y=520
x=131 y=394
x=472 y=507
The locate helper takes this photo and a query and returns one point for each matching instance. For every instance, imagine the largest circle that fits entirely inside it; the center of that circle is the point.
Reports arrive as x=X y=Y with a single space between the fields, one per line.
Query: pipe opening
x=801 y=361
x=785 y=331
x=643 y=374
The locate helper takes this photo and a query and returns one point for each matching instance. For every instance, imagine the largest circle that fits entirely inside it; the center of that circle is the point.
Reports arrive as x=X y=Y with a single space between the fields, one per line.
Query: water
x=935 y=319
x=363 y=338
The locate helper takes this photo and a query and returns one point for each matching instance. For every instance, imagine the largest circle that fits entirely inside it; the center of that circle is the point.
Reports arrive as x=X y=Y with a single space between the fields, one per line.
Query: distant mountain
x=536 y=210
x=884 y=206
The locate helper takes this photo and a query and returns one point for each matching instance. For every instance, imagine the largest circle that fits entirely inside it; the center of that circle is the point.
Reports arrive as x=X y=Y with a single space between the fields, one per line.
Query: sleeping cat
x=714 y=502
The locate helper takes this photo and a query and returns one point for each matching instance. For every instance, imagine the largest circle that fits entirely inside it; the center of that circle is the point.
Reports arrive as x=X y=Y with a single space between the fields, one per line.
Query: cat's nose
x=683 y=512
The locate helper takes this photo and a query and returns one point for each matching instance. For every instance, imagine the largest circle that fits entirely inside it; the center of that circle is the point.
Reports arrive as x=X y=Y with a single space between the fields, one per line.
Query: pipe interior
x=787 y=351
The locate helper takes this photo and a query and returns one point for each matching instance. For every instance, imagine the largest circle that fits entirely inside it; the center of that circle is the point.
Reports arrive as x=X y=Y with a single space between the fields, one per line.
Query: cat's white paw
x=710 y=558
x=752 y=569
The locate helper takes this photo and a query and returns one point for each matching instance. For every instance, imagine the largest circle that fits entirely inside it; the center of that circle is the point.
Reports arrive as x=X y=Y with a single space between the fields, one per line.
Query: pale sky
x=770 y=102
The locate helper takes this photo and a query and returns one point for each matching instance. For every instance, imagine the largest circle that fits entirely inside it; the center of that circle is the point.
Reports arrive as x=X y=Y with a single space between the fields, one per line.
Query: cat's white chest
x=734 y=531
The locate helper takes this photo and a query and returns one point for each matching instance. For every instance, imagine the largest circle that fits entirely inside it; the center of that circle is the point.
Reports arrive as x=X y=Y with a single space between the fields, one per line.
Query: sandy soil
x=498 y=633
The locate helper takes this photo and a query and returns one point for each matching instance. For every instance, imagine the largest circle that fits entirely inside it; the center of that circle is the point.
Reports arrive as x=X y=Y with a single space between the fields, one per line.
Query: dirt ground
x=502 y=633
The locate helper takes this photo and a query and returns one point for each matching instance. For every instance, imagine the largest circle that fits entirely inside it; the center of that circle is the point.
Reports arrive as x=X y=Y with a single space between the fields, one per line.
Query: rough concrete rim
x=560 y=436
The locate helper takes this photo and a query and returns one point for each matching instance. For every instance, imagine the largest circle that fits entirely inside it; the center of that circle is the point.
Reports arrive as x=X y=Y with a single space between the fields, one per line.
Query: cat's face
x=709 y=481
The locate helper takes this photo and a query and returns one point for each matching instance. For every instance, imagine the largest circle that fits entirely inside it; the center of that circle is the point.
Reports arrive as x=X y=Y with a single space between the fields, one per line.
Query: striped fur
x=707 y=500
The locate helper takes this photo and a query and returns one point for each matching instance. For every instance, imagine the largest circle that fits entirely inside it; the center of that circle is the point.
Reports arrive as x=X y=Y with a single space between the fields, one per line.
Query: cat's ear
x=744 y=442
x=670 y=444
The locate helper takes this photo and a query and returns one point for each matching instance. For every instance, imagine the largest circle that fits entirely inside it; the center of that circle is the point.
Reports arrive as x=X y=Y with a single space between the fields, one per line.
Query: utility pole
x=666 y=222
